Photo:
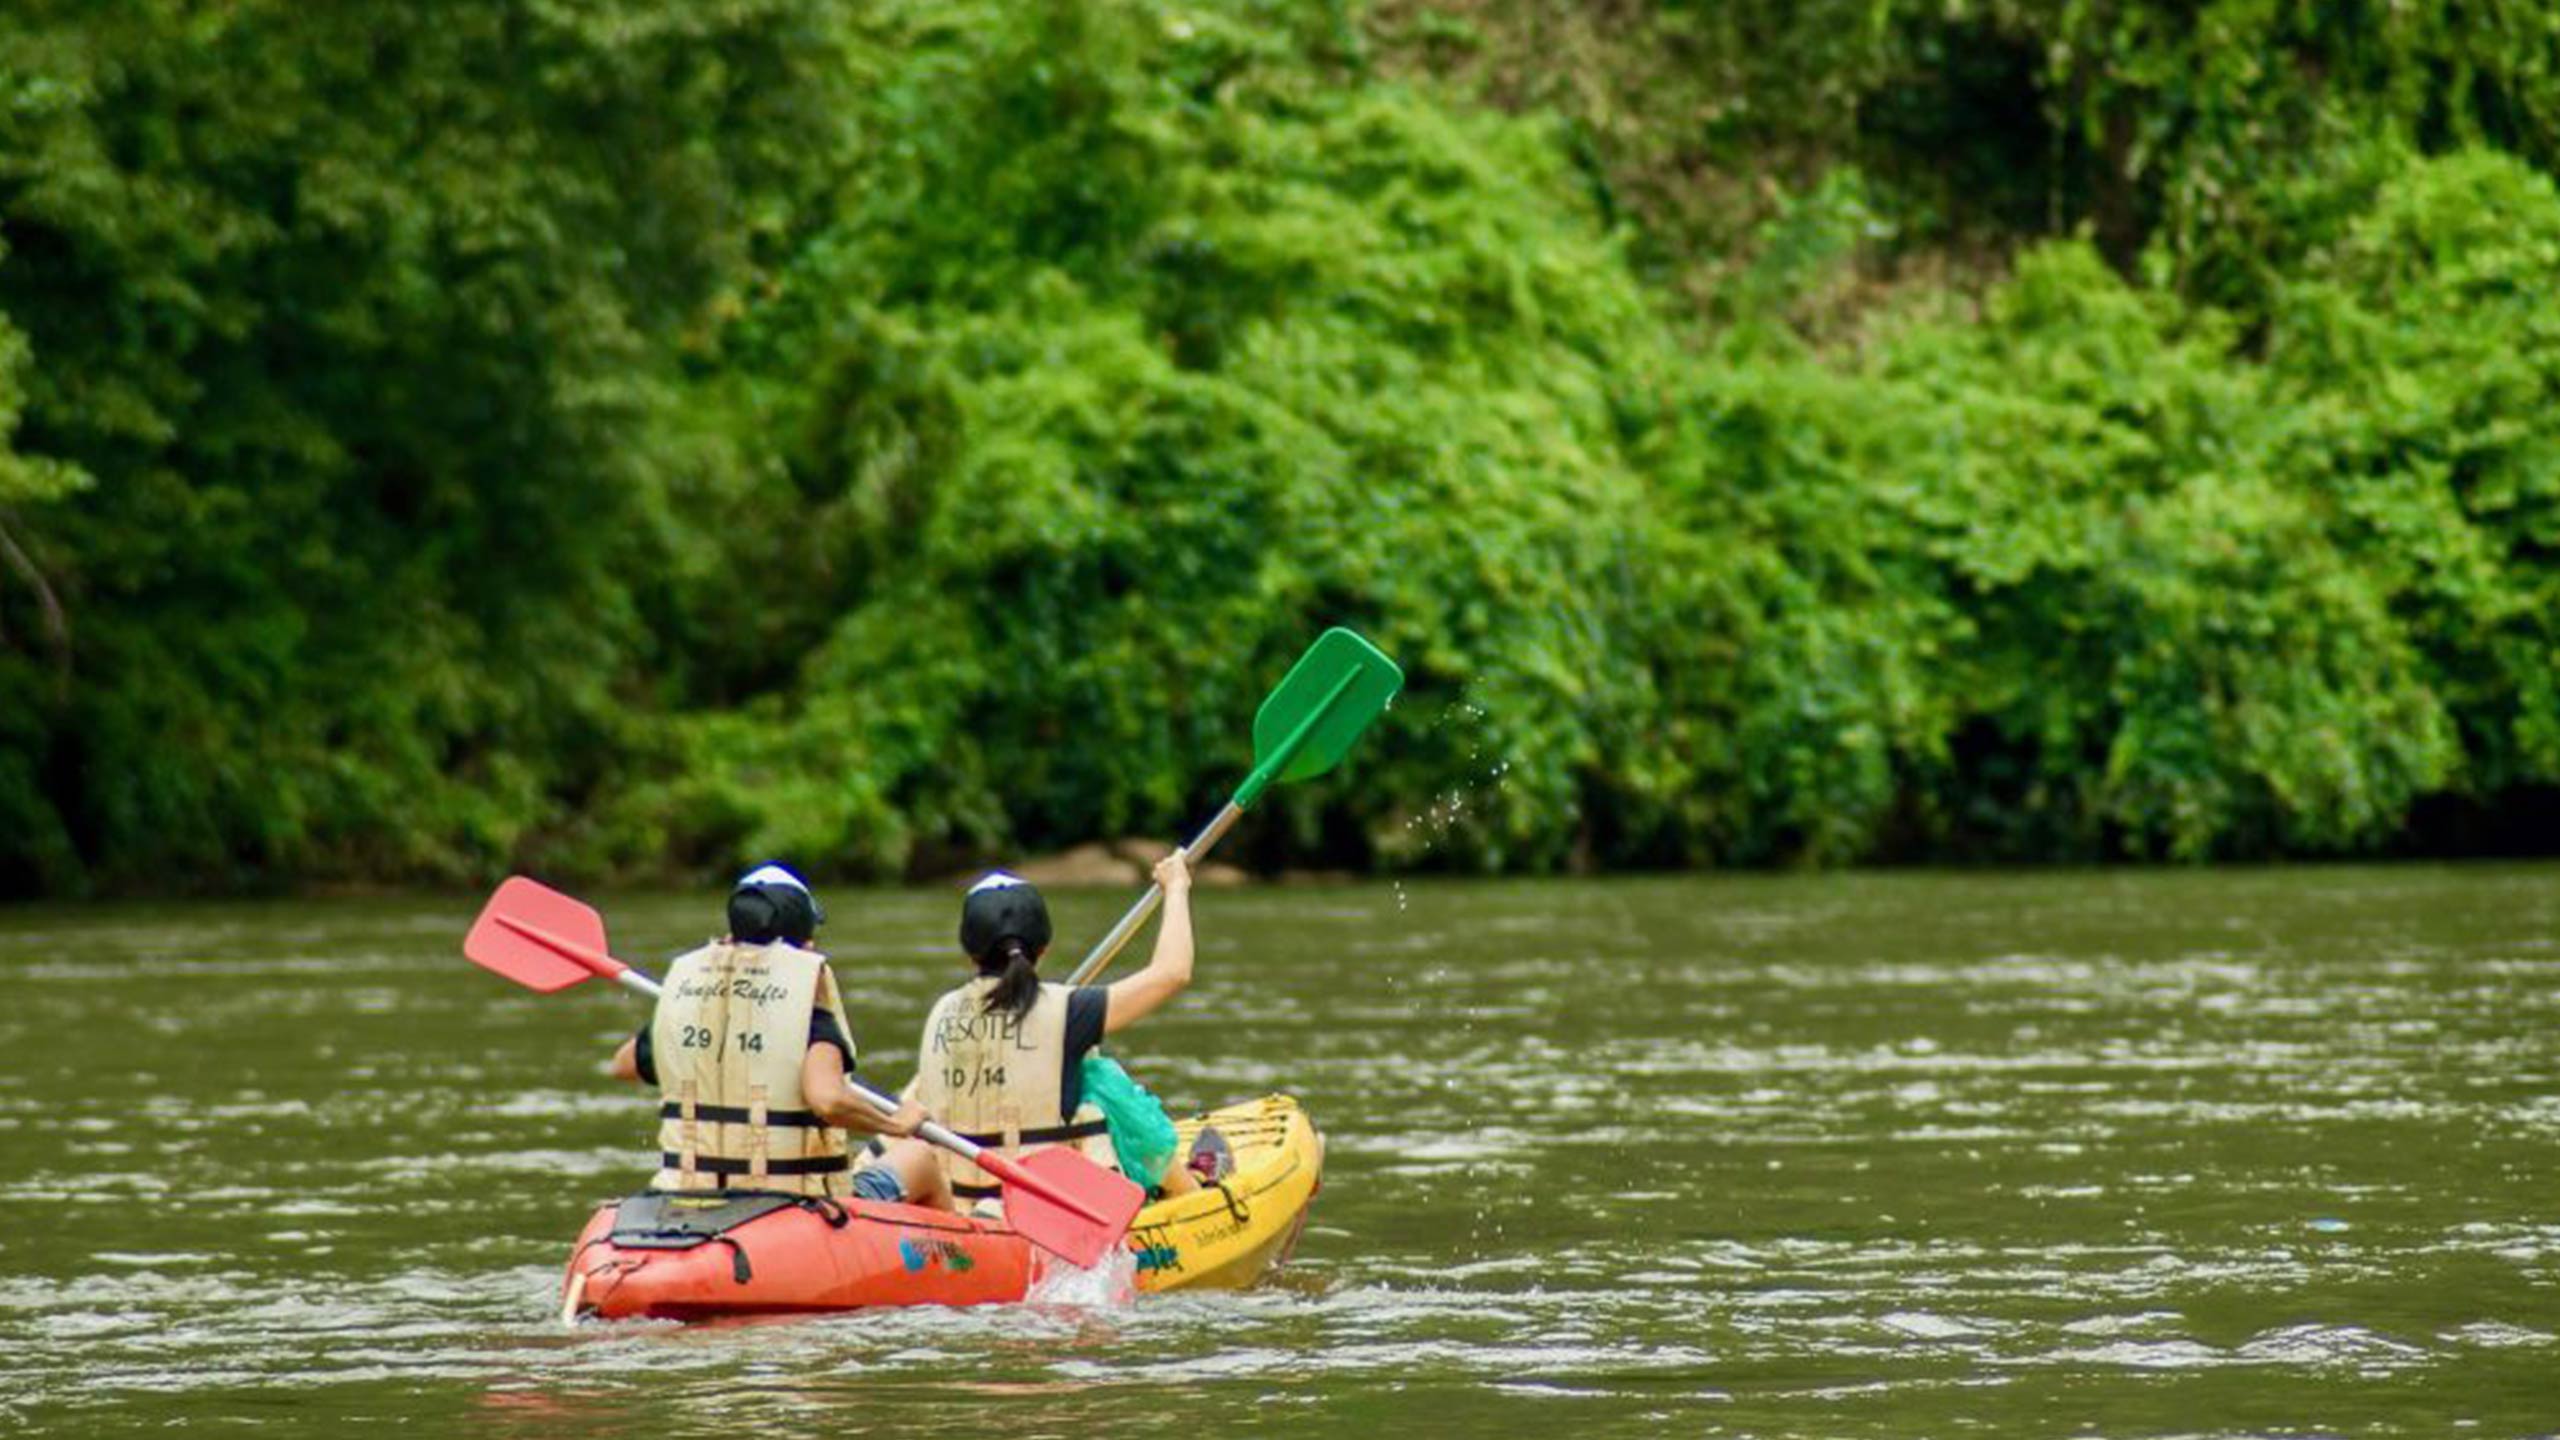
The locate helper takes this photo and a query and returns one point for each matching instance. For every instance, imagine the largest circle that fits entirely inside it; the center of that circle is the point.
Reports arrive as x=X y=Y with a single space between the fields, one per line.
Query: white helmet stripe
x=772 y=875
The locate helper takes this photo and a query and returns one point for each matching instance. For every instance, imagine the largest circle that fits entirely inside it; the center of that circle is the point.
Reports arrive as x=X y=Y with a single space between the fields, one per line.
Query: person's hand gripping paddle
x=1057 y=1199
x=1305 y=724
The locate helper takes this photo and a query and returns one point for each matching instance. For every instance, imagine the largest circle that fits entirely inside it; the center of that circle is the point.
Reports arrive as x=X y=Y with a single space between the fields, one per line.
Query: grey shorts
x=878 y=1182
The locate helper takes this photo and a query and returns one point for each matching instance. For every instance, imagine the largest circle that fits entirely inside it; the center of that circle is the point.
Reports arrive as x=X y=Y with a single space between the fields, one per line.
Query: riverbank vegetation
x=632 y=436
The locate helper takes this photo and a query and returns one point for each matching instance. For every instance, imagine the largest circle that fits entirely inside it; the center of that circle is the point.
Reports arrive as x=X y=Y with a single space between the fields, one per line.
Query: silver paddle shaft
x=1109 y=946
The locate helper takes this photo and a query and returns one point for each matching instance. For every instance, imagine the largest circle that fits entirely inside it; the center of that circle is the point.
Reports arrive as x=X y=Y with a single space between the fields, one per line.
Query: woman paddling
x=749 y=1051
x=1003 y=1057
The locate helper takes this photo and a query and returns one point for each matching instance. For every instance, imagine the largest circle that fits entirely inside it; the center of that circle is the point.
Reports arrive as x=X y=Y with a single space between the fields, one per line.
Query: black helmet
x=999 y=908
x=771 y=903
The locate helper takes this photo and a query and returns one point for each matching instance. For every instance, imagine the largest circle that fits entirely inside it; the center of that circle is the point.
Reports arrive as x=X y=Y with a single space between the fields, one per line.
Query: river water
x=2261 y=1152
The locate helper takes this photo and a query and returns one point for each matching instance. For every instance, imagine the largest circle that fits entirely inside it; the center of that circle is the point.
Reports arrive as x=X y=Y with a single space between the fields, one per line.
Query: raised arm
x=1169 y=968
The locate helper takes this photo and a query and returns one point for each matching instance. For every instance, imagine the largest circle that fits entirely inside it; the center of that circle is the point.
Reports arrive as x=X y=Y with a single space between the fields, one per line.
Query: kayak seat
x=678 y=1220
x=1212 y=1158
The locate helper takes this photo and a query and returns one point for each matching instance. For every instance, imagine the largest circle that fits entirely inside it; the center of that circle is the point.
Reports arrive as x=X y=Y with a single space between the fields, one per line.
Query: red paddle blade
x=1066 y=1204
x=492 y=945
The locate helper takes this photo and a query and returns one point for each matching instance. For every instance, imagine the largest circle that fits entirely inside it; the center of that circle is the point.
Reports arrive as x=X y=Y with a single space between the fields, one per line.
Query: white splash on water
x=1111 y=1284
x=1481 y=781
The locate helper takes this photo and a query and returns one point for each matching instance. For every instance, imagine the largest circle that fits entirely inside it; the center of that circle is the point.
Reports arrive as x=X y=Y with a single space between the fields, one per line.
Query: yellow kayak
x=1227 y=1236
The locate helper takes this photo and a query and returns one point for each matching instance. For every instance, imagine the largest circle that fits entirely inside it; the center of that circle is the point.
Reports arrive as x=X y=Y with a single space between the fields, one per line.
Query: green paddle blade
x=1327 y=699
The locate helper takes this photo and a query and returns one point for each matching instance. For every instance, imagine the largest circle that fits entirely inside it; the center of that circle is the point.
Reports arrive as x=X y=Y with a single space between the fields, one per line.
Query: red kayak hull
x=796 y=1262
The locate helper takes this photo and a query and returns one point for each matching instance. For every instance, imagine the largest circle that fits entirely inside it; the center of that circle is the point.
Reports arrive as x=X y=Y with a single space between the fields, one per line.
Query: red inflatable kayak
x=701 y=1255
x=824 y=1256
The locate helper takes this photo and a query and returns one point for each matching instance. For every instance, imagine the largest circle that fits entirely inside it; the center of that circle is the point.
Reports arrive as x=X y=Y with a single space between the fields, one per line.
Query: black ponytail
x=1017 y=983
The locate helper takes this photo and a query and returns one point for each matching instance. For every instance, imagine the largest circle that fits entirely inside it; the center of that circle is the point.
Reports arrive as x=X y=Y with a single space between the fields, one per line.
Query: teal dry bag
x=1141 y=1133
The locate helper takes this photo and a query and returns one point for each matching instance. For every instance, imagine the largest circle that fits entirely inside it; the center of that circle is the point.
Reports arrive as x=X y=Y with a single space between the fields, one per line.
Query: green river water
x=2065 y=1153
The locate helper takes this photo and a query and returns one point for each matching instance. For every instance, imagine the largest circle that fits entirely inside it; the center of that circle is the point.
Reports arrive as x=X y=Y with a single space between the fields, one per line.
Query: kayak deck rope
x=573 y=1301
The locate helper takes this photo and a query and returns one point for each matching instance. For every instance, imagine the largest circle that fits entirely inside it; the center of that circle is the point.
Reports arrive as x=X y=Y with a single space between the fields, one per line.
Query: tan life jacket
x=731 y=1030
x=997 y=1079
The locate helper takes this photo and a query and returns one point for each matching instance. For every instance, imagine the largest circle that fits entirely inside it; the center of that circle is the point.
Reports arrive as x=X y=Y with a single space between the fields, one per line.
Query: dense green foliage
x=2215 y=135
x=630 y=436
x=359 y=317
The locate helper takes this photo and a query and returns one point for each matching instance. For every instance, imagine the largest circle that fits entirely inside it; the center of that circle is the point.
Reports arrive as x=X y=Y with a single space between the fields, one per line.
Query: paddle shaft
x=1110 y=945
x=1266 y=769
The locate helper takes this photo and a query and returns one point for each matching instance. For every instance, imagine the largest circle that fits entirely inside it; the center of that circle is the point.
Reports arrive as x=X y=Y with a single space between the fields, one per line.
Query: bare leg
x=1178 y=1180
x=919 y=1172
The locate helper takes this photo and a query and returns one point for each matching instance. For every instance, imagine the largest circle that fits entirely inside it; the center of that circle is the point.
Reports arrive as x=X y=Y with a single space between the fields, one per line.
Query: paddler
x=749 y=1051
x=1003 y=1058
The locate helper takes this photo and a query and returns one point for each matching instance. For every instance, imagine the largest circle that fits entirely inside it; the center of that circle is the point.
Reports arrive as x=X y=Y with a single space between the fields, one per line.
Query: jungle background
x=630 y=437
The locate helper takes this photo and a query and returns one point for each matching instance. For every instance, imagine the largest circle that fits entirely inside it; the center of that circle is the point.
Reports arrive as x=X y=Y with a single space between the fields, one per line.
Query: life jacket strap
x=720 y=1165
x=1054 y=1135
x=741 y=1115
x=759 y=1139
x=691 y=1139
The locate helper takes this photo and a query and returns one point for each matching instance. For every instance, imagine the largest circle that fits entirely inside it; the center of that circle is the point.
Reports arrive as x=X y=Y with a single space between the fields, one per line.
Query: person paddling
x=750 y=1052
x=1002 y=1058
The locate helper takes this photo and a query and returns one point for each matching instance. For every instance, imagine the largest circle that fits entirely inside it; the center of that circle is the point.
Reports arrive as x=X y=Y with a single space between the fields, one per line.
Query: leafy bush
x=2417 y=366
x=360 y=316
x=1083 y=480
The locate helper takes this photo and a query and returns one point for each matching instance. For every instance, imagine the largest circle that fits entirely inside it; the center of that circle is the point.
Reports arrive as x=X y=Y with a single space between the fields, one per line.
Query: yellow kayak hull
x=1229 y=1235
